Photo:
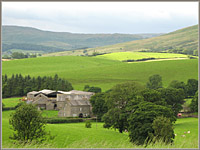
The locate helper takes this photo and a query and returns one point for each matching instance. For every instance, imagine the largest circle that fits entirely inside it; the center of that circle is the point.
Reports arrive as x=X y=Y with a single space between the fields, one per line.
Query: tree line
x=18 y=85
x=25 y=46
x=20 y=55
x=139 y=110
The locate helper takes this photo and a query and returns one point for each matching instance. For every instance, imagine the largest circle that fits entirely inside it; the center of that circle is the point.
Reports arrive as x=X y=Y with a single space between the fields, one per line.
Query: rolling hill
x=101 y=72
x=181 y=41
x=32 y=39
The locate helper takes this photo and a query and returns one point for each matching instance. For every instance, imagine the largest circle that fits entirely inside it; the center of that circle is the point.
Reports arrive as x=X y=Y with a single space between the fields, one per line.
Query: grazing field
x=100 y=72
x=11 y=102
x=50 y=113
x=139 y=55
x=75 y=135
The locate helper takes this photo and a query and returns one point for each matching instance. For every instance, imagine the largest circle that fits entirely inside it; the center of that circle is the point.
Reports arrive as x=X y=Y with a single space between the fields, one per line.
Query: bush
x=87 y=88
x=19 y=104
x=192 y=87
x=88 y=124
x=28 y=124
x=163 y=130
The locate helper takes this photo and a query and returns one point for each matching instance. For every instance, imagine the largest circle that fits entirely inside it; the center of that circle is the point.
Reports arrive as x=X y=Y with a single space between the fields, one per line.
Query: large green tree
x=99 y=107
x=173 y=97
x=117 y=100
x=28 y=124
x=192 y=87
x=141 y=119
x=194 y=103
x=155 y=82
x=178 y=85
x=153 y=96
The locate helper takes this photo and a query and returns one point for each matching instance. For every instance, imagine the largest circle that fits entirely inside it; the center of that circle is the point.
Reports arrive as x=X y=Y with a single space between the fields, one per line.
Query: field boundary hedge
x=144 y=59
x=66 y=120
x=8 y=108
x=63 y=120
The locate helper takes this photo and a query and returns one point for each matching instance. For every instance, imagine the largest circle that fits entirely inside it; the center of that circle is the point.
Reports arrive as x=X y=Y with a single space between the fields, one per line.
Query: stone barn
x=45 y=99
x=75 y=108
x=74 y=104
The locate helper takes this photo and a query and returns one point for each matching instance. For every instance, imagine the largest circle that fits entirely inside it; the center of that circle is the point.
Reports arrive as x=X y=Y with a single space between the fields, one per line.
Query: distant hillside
x=31 y=39
x=181 y=41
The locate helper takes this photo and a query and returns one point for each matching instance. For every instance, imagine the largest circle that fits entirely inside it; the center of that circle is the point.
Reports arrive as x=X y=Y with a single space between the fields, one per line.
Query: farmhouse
x=45 y=99
x=74 y=103
x=70 y=104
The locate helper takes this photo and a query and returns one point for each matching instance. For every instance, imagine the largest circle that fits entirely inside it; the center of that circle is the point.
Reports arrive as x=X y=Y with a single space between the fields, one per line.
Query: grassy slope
x=186 y=38
x=139 y=55
x=75 y=135
x=102 y=72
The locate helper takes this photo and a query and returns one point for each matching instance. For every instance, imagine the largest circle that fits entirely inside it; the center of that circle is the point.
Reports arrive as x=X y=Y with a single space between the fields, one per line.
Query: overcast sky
x=101 y=17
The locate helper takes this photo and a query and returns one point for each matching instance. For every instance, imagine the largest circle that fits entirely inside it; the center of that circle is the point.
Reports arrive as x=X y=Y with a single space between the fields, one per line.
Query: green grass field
x=139 y=55
x=75 y=135
x=100 y=72
x=50 y=113
x=11 y=102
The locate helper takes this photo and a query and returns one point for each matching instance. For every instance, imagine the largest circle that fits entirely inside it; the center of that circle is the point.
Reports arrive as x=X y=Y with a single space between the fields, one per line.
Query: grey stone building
x=70 y=104
x=74 y=104
x=45 y=99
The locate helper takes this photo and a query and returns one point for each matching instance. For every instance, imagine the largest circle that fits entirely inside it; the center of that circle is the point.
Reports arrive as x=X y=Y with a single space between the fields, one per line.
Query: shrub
x=88 y=124
x=163 y=130
x=19 y=104
x=28 y=124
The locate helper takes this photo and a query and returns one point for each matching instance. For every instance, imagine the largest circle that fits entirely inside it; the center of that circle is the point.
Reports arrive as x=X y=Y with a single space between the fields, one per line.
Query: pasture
x=101 y=72
x=75 y=135
x=140 y=55
x=11 y=102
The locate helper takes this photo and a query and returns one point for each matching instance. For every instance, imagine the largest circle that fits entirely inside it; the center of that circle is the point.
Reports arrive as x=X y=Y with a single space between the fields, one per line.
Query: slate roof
x=33 y=92
x=78 y=102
